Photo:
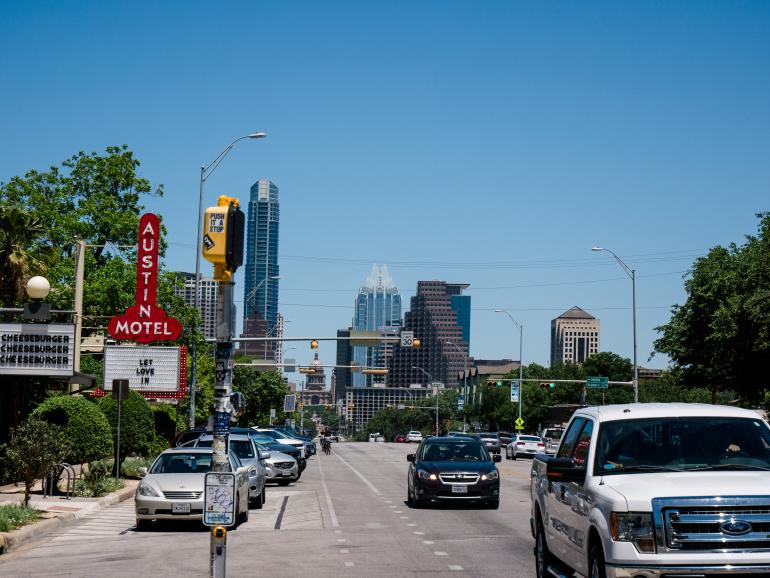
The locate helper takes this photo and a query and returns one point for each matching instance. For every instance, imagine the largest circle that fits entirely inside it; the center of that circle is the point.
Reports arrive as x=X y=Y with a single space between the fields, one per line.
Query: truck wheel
x=543 y=557
x=596 y=562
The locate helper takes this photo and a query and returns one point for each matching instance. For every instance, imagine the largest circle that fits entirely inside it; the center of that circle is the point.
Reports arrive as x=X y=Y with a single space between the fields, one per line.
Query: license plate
x=285 y=473
x=459 y=489
x=180 y=508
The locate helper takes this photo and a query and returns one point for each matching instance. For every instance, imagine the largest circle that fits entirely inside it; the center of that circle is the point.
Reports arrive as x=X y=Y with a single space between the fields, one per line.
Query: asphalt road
x=347 y=516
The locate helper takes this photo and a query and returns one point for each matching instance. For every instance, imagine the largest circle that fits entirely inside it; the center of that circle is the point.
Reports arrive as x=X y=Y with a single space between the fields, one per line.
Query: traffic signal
x=547 y=385
x=416 y=343
x=314 y=344
x=375 y=371
x=500 y=383
x=223 y=237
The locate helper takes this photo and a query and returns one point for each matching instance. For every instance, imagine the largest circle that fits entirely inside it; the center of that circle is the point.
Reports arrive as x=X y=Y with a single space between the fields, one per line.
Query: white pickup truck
x=654 y=490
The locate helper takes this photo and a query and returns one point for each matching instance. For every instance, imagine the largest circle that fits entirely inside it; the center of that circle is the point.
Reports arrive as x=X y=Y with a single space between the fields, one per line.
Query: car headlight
x=493 y=475
x=635 y=527
x=423 y=475
x=147 y=490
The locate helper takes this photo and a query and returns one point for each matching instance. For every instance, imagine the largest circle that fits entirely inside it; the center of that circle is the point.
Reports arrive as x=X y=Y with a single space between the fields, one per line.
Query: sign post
x=120 y=390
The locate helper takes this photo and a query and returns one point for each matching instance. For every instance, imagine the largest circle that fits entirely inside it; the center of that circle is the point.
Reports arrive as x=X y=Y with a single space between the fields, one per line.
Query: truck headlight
x=635 y=527
x=147 y=490
x=423 y=475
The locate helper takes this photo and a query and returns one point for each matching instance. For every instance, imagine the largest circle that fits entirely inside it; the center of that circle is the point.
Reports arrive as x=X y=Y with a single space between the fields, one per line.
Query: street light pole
x=205 y=174
x=521 y=361
x=632 y=274
x=430 y=377
x=465 y=382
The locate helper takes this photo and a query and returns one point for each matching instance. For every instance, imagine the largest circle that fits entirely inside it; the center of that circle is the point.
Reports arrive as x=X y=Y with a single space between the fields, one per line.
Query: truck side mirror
x=564 y=470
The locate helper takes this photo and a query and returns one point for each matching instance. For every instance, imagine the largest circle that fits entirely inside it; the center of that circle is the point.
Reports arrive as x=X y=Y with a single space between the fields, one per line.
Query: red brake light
x=541 y=444
x=520 y=443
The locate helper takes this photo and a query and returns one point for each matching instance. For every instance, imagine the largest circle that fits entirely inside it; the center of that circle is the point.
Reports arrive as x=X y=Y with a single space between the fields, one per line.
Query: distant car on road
x=400 y=438
x=172 y=489
x=452 y=468
x=524 y=445
x=491 y=441
x=414 y=436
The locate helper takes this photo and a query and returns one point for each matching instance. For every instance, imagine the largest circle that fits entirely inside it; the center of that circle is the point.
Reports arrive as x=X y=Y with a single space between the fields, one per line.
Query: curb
x=20 y=536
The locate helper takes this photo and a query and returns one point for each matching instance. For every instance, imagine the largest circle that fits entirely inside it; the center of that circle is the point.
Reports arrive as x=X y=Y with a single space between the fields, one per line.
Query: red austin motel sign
x=145 y=322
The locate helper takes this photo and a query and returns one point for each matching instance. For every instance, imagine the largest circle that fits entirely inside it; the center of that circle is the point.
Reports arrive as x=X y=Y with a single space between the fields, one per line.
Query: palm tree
x=18 y=232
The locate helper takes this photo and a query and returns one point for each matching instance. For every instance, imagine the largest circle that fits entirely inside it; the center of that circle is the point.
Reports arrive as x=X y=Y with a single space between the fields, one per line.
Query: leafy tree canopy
x=720 y=337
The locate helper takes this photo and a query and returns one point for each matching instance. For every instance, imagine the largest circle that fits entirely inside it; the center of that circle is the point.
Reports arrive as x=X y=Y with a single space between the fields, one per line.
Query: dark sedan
x=452 y=468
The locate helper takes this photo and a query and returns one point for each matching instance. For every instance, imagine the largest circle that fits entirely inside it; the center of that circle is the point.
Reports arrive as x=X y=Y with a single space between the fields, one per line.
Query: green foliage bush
x=96 y=481
x=137 y=426
x=85 y=429
x=130 y=468
x=14 y=516
x=165 y=416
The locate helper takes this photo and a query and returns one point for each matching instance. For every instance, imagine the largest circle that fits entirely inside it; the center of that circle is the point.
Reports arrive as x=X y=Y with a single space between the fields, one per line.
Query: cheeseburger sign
x=145 y=322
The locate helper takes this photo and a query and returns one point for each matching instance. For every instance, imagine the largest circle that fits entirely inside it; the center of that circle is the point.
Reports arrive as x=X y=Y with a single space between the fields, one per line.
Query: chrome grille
x=182 y=495
x=459 y=478
x=284 y=465
x=713 y=524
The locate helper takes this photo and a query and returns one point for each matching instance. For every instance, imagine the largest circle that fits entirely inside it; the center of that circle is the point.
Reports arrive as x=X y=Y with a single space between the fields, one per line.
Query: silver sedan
x=173 y=487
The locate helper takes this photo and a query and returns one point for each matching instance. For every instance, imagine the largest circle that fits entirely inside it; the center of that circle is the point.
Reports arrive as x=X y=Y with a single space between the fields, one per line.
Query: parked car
x=283 y=438
x=251 y=457
x=379 y=438
x=172 y=488
x=452 y=468
x=414 y=436
x=491 y=441
x=524 y=445
x=505 y=438
x=291 y=433
x=400 y=438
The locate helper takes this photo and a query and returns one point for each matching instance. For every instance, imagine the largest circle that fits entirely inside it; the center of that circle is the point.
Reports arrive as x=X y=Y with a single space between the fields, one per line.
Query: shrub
x=164 y=415
x=96 y=481
x=35 y=449
x=84 y=428
x=130 y=468
x=137 y=426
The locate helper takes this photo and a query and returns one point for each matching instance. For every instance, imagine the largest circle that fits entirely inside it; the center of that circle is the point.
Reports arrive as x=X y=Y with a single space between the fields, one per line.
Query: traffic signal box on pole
x=549 y=385
x=223 y=234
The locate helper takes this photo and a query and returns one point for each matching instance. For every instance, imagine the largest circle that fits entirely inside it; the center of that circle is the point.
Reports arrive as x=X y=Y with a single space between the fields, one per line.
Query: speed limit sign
x=407 y=338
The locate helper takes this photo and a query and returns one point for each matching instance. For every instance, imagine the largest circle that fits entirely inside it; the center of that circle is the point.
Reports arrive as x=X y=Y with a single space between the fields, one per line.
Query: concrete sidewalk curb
x=20 y=536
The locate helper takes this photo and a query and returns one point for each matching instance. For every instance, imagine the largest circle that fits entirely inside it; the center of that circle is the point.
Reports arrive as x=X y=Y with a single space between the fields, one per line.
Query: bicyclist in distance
x=326 y=441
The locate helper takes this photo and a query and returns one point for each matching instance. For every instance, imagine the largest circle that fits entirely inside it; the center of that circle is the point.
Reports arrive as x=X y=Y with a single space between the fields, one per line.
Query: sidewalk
x=57 y=511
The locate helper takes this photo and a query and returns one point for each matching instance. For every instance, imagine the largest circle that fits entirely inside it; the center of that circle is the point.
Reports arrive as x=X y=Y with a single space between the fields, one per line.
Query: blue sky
x=490 y=143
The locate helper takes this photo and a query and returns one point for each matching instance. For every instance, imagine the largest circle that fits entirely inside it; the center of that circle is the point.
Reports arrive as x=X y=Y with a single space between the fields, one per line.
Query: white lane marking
x=420 y=533
x=329 y=505
x=455 y=568
x=428 y=542
x=388 y=501
x=359 y=474
x=349 y=564
x=340 y=540
x=392 y=506
x=338 y=531
x=344 y=551
x=398 y=511
x=411 y=525
x=404 y=517
x=440 y=553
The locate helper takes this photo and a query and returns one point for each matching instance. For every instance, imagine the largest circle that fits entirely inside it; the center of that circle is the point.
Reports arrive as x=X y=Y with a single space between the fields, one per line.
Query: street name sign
x=597 y=382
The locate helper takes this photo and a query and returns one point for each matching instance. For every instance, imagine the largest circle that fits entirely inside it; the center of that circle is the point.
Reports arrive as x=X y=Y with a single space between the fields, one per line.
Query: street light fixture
x=465 y=380
x=205 y=174
x=632 y=274
x=521 y=361
x=430 y=377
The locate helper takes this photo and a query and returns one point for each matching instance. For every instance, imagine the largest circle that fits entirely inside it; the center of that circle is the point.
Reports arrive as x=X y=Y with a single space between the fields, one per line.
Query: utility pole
x=79 y=275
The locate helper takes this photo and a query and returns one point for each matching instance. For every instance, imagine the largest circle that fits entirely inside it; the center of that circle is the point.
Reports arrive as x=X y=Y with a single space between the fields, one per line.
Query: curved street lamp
x=632 y=274
x=205 y=174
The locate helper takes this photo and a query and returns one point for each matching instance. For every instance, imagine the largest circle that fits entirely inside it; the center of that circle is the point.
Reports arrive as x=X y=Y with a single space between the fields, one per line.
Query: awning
x=82 y=379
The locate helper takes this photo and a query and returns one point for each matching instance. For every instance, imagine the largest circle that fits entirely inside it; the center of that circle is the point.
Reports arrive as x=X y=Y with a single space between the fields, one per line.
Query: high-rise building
x=434 y=321
x=378 y=308
x=208 y=290
x=261 y=268
x=342 y=374
x=574 y=336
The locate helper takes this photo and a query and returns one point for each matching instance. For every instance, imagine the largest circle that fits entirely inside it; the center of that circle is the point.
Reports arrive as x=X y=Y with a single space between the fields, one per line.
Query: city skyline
x=498 y=145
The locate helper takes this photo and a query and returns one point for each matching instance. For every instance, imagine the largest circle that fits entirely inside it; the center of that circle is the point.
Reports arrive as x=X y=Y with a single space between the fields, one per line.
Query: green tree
x=720 y=337
x=19 y=231
x=85 y=429
x=262 y=390
x=35 y=449
x=137 y=426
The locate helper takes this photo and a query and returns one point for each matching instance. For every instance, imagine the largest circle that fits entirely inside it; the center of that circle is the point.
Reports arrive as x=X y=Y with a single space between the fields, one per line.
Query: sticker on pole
x=219 y=499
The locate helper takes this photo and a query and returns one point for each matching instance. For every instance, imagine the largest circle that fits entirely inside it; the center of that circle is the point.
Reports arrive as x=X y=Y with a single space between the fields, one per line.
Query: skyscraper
x=207 y=300
x=434 y=320
x=261 y=270
x=574 y=336
x=378 y=307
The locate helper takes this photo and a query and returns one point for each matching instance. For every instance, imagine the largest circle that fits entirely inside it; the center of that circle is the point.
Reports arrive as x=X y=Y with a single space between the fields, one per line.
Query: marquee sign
x=145 y=322
x=155 y=372
x=37 y=349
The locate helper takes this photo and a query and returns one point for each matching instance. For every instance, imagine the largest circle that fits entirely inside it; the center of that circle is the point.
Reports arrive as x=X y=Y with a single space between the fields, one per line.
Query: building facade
x=342 y=375
x=260 y=297
x=361 y=403
x=574 y=336
x=314 y=391
x=434 y=322
x=208 y=292
x=378 y=308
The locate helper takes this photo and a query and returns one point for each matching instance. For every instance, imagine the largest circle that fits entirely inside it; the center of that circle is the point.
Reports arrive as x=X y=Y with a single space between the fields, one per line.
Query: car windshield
x=242 y=448
x=490 y=435
x=529 y=439
x=460 y=450
x=182 y=463
x=685 y=443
